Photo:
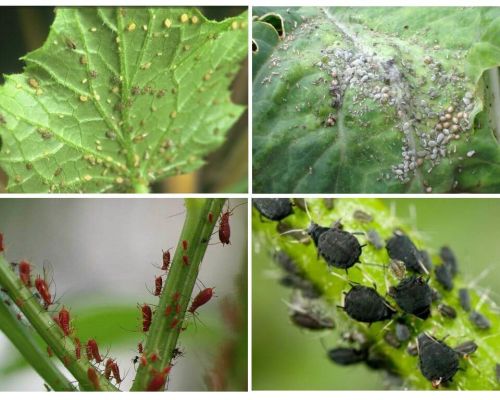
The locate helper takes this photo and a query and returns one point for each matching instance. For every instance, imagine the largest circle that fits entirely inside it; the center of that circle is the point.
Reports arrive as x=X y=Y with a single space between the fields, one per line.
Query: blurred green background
x=287 y=358
x=102 y=254
x=23 y=29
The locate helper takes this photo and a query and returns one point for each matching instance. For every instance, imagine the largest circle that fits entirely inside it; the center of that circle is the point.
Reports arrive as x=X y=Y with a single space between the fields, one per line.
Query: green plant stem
x=21 y=339
x=162 y=338
x=63 y=347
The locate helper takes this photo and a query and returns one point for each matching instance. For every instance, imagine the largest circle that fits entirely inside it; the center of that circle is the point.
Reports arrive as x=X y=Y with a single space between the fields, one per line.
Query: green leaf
x=117 y=98
x=395 y=72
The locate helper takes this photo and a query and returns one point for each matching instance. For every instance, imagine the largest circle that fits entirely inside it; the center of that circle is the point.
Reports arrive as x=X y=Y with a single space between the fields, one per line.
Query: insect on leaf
x=117 y=98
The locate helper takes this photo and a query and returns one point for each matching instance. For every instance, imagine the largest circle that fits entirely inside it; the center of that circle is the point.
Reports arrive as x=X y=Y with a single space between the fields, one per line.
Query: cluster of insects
x=407 y=302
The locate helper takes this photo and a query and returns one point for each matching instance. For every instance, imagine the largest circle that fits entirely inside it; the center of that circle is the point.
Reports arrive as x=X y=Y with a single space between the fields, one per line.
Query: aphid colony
x=412 y=297
x=62 y=318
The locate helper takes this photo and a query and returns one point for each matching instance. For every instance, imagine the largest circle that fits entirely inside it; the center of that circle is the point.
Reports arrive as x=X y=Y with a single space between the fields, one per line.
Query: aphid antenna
x=386 y=326
x=307 y=211
x=177 y=214
x=421 y=264
x=293 y=231
x=294 y=307
x=484 y=297
x=412 y=211
x=344 y=278
x=485 y=272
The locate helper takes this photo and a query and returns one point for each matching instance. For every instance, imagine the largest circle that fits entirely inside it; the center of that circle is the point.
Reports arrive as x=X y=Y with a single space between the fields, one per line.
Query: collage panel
x=375 y=294
x=123 y=294
x=376 y=100
x=124 y=99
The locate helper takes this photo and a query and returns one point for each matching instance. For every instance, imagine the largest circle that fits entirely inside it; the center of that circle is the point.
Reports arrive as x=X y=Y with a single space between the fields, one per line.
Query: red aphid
x=107 y=368
x=140 y=348
x=64 y=321
x=115 y=370
x=78 y=349
x=166 y=260
x=174 y=323
x=177 y=308
x=158 y=285
x=168 y=310
x=93 y=378
x=185 y=259
x=49 y=351
x=146 y=317
x=210 y=217
x=153 y=357
x=176 y=296
x=159 y=379
x=224 y=228
x=1 y=243
x=43 y=290
x=143 y=360
x=93 y=350
x=25 y=272
x=201 y=298
x=185 y=245
x=19 y=316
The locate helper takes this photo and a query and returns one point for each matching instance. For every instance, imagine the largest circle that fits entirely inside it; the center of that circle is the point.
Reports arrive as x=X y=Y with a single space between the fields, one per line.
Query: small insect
x=143 y=360
x=158 y=285
x=311 y=320
x=65 y=321
x=392 y=340
x=479 y=320
x=467 y=348
x=158 y=381
x=176 y=296
x=115 y=370
x=166 y=260
x=444 y=276
x=146 y=317
x=347 y=355
x=107 y=368
x=176 y=353
x=449 y=259
x=225 y=228
x=185 y=260
x=273 y=209
x=402 y=331
x=201 y=298
x=25 y=272
x=71 y=44
x=93 y=378
x=177 y=308
x=398 y=268
x=168 y=310
x=414 y=296
x=93 y=351
x=49 y=351
x=78 y=349
x=464 y=299
x=185 y=245
x=153 y=357
x=43 y=289
x=1 y=243
x=400 y=247
x=438 y=361
x=210 y=217
x=364 y=304
x=375 y=239
x=362 y=216
x=140 y=348
x=135 y=360
x=447 y=311
x=339 y=248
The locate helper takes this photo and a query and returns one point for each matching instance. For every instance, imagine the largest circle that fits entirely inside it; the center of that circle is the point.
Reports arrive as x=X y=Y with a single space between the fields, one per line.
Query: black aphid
x=392 y=340
x=311 y=320
x=347 y=355
x=400 y=247
x=362 y=216
x=449 y=258
x=286 y=262
x=436 y=296
x=364 y=304
x=377 y=360
x=444 y=276
x=466 y=348
x=447 y=311
x=464 y=298
x=402 y=331
x=339 y=248
x=438 y=361
x=375 y=239
x=307 y=288
x=414 y=296
x=479 y=320
x=274 y=209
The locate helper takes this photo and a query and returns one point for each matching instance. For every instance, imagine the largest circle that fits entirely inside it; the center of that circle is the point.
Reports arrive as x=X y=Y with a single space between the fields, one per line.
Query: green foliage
x=477 y=372
x=118 y=98
x=394 y=73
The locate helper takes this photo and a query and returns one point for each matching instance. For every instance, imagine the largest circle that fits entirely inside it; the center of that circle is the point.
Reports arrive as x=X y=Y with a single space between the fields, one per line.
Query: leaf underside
x=119 y=97
x=397 y=70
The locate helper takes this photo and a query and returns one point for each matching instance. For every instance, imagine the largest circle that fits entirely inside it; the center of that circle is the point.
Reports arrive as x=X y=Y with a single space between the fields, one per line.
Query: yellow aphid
x=184 y=18
x=173 y=114
x=131 y=27
x=83 y=60
x=119 y=180
x=146 y=65
x=88 y=178
x=83 y=98
x=234 y=25
x=33 y=83
x=194 y=19
x=167 y=23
